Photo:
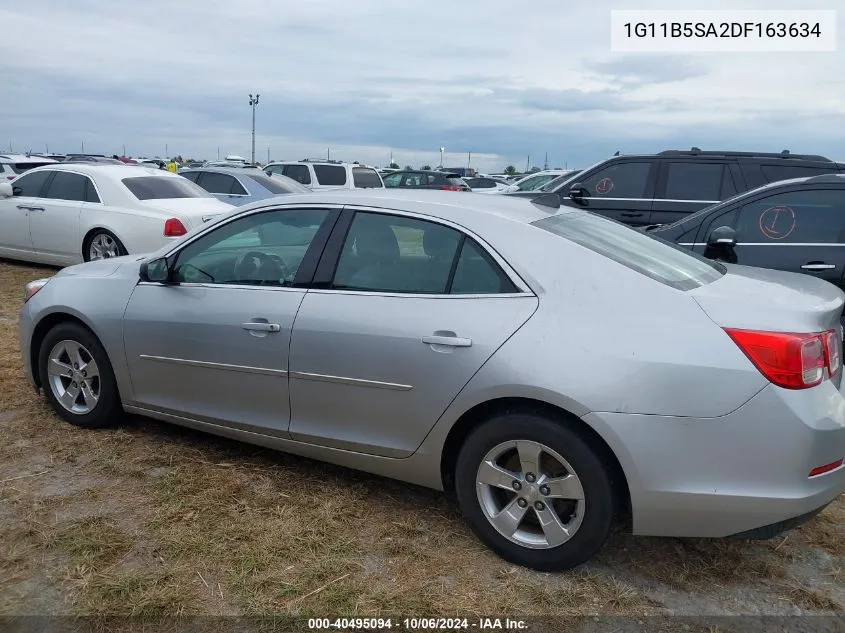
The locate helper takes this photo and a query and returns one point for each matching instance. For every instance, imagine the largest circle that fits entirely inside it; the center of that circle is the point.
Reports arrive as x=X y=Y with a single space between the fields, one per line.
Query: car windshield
x=278 y=183
x=658 y=259
x=534 y=182
x=163 y=187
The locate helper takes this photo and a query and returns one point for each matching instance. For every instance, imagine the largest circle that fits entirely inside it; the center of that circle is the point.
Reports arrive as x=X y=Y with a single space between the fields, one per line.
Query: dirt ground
x=149 y=519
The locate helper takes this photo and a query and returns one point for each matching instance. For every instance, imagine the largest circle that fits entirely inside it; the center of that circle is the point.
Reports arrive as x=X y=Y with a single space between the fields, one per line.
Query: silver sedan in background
x=553 y=367
x=239 y=186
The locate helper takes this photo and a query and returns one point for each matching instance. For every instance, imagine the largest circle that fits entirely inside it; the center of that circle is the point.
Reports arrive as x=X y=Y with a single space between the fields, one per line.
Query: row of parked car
x=555 y=368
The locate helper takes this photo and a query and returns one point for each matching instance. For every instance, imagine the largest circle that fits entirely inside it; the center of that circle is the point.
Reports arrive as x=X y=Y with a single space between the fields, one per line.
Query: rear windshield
x=653 y=257
x=364 y=178
x=277 y=185
x=19 y=168
x=330 y=174
x=162 y=188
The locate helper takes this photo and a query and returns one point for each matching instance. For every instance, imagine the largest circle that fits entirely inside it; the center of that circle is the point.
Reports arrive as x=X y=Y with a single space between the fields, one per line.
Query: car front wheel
x=534 y=491
x=77 y=376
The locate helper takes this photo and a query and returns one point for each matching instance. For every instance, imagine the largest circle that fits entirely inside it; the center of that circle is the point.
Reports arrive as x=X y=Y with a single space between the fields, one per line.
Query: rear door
x=622 y=190
x=796 y=230
x=55 y=229
x=404 y=312
x=685 y=186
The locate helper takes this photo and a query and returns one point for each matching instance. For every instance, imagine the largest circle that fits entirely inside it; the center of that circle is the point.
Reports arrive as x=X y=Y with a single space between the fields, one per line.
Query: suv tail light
x=450 y=188
x=792 y=361
x=174 y=228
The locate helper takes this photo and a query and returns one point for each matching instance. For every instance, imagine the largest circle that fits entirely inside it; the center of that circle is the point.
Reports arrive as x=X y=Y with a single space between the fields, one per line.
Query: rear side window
x=802 y=217
x=774 y=173
x=163 y=188
x=332 y=175
x=19 y=168
x=694 y=181
x=67 y=186
x=655 y=258
x=299 y=173
x=278 y=184
x=365 y=178
x=214 y=182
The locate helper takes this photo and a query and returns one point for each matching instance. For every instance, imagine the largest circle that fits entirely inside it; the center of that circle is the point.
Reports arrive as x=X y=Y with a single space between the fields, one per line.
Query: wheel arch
x=39 y=333
x=481 y=412
x=89 y=234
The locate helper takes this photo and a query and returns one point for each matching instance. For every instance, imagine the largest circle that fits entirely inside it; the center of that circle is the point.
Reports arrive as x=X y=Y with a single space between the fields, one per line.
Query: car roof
x=448 y=205
x=23 y=158
x=116 y=171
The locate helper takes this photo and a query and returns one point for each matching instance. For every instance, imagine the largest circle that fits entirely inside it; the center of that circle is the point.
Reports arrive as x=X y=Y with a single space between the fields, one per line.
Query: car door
x=15 y=238
x=800 y=231
x=685 y=186
x=55 y=229
x=212 y=344
x=402 y=314
x=622 y=190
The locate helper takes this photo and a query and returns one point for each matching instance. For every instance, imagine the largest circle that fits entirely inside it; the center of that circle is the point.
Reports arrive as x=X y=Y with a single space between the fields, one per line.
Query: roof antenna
x=617 y=153
x=551 y=200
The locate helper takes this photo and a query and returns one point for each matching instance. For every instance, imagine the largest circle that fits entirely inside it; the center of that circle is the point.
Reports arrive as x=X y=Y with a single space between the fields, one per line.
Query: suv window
x=366 y=178
x=299 y=173
x=810 y=217
x=619 y=180
x=30 y=185
x=330 y=174
x=664 y=262
x=694 y=181
x=67 y=186
x=163 y=187
x=786 y=172
x=264 y=249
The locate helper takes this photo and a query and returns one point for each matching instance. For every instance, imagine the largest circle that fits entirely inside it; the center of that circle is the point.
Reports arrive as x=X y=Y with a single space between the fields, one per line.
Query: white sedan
x=64 y=214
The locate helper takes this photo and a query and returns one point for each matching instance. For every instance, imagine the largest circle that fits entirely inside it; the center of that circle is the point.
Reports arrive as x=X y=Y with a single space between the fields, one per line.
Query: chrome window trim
x=516 y=279
x=769 y=244
x=673 y=201
x=193 y=284
x=78 y=173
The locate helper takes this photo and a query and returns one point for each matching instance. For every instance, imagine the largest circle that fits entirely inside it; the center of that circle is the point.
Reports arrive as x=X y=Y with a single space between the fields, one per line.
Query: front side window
x=664 y=262
x=389 y=253
x=694 y=181
x=67 y=186
x=31 y=185
x=163 y=188
x=331 y=175
x=620 y=180
x=393 y=180
x=263 y=249
x=810 y=217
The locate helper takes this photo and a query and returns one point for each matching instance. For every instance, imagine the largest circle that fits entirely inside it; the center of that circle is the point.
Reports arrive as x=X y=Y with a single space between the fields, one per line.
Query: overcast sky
x=503 y=80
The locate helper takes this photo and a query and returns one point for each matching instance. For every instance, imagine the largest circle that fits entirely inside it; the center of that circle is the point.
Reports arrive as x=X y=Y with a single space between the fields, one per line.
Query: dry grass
x=149 y=519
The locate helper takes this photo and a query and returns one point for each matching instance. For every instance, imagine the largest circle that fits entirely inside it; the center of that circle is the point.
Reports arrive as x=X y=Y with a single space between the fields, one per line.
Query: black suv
x=661 y=188
x=796 y=225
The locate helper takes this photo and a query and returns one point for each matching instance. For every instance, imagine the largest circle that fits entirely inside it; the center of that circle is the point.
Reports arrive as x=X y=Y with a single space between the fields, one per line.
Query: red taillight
x=10 y=177
x=450 y=188
x=174 y=228
x=821 y=470
x=793 y=361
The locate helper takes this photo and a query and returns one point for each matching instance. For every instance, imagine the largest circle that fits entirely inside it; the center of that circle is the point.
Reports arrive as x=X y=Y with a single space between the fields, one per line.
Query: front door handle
x=24 y=207
x=258 y=326
x=450 y=341
x=36 y=208
x=632 y=214
x=818 y=266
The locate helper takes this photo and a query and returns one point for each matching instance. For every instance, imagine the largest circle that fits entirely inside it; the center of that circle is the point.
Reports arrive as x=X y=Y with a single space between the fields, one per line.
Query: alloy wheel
x=74 y=377
x=103 y=246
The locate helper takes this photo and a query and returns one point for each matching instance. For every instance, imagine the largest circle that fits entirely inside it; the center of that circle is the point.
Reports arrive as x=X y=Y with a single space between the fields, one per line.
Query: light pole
x=442 y=149
x=253 y=101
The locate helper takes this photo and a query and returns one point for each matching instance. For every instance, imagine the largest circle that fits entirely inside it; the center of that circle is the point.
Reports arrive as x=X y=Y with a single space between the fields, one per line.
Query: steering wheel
x=260 y=267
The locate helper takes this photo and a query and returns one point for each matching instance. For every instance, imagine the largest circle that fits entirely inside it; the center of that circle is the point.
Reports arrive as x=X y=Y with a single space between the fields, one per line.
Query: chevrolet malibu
x=553 y=368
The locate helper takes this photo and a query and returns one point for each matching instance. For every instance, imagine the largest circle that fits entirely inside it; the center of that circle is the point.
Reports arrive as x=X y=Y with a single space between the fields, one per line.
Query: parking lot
x=147 y=518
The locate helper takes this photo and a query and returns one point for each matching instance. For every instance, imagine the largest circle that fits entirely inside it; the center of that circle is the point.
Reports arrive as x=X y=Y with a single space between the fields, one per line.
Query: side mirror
x=6 y=190
x=722 y=236
x=577 y=191
x=155 y=271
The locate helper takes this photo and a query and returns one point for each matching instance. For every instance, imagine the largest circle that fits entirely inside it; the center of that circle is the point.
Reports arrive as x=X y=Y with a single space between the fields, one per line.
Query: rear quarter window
x=365 y=178
x=653 y=257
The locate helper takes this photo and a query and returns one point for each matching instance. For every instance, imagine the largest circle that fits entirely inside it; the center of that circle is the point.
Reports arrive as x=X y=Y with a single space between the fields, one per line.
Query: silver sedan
x=554 y=368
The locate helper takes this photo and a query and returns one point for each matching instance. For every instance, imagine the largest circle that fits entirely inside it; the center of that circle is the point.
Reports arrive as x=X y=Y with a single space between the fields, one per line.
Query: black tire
x=86 y=245
x=595 y=476
x=108 y=407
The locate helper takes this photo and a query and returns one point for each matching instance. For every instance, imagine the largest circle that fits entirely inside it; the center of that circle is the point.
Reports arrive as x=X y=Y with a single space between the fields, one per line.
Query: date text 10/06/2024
x=416 y=624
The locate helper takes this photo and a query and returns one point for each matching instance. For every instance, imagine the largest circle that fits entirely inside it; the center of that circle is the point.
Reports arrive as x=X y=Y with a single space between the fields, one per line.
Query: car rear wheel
x=102 y=245
x=535 y=491
x=77 y=376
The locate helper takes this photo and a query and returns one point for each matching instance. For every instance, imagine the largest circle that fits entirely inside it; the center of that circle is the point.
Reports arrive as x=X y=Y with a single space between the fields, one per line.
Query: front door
x=15 y=238
x=213 y=344
x=412 y=310
x=795 y=231
x=622 y=191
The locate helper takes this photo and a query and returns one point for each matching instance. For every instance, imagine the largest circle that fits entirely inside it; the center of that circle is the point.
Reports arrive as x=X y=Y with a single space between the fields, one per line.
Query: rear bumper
x=746 y=472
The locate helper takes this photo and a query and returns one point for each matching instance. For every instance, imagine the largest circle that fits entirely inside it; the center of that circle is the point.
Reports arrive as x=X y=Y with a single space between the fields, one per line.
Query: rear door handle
x=818 y=266
x=451 y=341
x=36 y=208
x=24 y=206
x=257 y=326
